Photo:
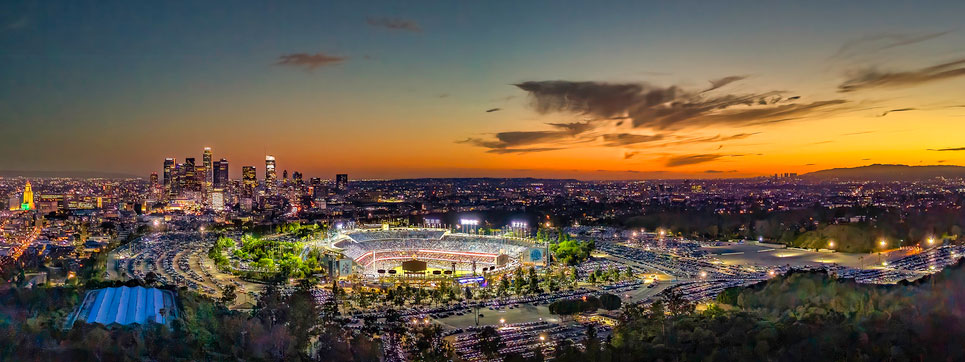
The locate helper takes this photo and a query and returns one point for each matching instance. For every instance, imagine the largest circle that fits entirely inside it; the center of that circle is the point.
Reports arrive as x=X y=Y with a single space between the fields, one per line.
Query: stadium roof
x=127 y=305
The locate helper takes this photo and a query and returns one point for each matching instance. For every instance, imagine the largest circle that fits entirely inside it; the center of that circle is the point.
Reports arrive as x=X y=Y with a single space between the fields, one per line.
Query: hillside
x=883 y=172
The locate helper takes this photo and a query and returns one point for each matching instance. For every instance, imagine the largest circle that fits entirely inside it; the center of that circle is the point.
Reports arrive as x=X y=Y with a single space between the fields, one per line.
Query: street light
x=931 y=241
x=830 y=244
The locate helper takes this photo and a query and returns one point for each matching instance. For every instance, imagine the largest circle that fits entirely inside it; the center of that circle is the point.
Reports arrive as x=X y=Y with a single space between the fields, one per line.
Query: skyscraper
x=28 y=198
x=208 y=172
x=297 y=178
x=155 y=187
x=219 y=178
x=341 y=183
x=190 y=174
x=270 y=176
x=249 y=178
x=168 y=176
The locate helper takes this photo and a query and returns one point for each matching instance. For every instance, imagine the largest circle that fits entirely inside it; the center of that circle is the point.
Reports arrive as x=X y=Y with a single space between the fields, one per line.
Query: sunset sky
x=590 y=90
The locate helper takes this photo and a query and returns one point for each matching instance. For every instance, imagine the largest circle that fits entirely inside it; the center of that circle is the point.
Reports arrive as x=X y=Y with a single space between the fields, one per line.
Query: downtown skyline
x=618 y=91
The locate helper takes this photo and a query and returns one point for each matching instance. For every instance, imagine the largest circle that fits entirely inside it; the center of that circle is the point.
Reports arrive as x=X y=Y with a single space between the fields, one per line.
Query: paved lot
x=761 y=255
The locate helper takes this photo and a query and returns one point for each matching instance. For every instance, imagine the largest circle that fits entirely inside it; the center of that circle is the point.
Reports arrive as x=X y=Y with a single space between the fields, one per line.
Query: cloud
x=573 y=127
x=719 y=171
x=872 y=78
x=717 y=138
x=629 y=155
x=666 y=107
x=510 y=142
x=624 y=139
x=717 y=83
x=394 y=24
x=493 y=110
x=691 y=159
x=885 y=113
x=858 y=133
x=309 y=61
x=874 y=43
x=521 y=150
x=947 y=149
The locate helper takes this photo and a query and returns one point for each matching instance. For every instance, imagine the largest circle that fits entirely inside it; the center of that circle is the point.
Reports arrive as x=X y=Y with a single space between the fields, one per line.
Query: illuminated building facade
x=28 y=198
x=341 y=183
x=169 y=165
x=270 y=176
x=207 y=172
x=249 y=179
x=219 y=178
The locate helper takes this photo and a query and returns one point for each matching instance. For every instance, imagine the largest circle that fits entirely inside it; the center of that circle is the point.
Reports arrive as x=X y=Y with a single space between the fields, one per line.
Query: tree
x=677 y=304
x=518 y=281
x=228 y=294
x=503 y=287
x=610 y=301
x=431 y=345
x=533 y=281
x=490 y=342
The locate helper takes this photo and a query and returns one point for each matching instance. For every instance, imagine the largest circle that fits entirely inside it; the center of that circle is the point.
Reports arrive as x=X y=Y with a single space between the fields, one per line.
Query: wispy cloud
x=493 y=110
x=523 y=141
x=870 y=78
x=885 y=113
x=394 y=24
x=948 y=149
x=625 y=139
x=691 y=159
x=309 y=61
x=717 y=83
x=874 y=43
x=719 y=171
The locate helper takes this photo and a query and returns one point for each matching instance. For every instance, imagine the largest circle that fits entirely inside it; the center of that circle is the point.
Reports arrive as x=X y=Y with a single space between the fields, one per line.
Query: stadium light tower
x=469 y=224
x=518 y=227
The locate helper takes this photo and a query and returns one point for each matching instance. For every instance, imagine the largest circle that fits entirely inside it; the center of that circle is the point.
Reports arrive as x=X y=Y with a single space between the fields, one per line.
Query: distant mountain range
x=883 y=172
x=64 y=174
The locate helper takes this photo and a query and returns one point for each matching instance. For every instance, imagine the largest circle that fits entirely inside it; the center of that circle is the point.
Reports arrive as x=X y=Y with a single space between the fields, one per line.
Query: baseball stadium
x=420 y=252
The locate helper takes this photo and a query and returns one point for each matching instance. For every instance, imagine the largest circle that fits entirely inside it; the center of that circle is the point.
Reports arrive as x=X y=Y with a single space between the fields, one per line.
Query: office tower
x=14 y=202
x=284 y=176
x=168 y=176
x=155 y=187
x=219 y=177
x=249 y=179
x=190 y=173
x=297 y=178
x=28 y=198
x=208 y=175
x=177 y=184
x=341 y=183
x=270 y=176
x=319 y=193
x=217 y=200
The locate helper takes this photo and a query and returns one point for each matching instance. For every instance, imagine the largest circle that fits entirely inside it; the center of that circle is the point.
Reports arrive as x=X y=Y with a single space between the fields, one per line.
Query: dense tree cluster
x=292 y=327
x=811 y=227
x=804 y=316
